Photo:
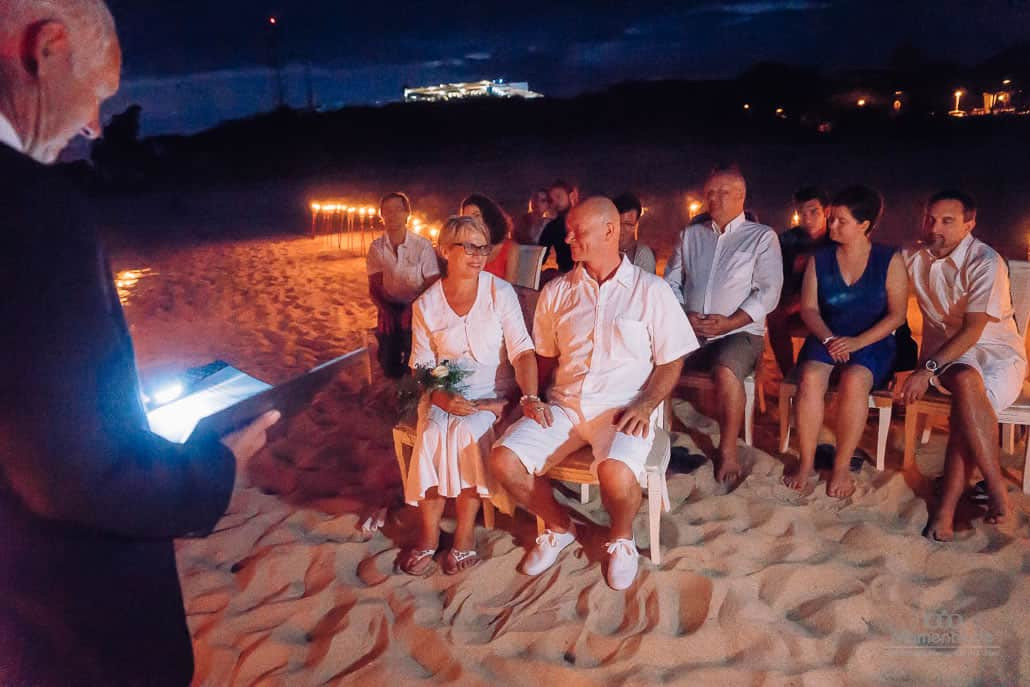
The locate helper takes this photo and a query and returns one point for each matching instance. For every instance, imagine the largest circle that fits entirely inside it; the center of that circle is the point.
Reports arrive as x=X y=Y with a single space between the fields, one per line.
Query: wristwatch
x=932 y=366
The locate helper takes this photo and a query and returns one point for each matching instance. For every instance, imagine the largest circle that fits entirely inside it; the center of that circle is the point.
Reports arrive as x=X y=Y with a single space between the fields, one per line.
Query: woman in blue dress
x=854 y=295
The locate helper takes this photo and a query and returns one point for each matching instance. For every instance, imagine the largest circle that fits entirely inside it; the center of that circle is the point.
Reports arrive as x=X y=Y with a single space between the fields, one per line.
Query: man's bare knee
x=964 y=382
x=726 y=380
x=616 y=476
x=506 y=466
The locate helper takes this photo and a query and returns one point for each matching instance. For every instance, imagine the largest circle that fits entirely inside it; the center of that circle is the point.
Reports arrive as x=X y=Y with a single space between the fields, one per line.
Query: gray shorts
x=739 y=352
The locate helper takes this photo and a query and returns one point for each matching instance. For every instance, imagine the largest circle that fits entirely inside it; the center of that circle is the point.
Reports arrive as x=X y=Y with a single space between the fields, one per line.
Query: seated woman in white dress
x=472 y=319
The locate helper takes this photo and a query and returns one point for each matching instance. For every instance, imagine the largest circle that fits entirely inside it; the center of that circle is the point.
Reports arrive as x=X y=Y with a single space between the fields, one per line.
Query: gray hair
x=90 y=22
x=456 y=225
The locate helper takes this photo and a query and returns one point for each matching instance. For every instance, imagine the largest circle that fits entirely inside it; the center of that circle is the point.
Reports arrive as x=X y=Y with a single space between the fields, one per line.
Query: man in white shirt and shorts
x=610 y=339
x=727 y=272
x=971 y=348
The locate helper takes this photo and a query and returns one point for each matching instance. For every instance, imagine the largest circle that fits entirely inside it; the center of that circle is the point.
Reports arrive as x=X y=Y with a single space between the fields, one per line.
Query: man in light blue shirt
x=727 y=273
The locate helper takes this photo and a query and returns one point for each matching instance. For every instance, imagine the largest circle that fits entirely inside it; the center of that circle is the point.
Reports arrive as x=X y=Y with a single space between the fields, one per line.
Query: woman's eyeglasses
x=475 y=248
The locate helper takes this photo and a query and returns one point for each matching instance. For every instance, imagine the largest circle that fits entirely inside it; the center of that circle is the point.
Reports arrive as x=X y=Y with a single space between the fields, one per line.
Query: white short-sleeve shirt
x=485 y=341
x=608 y=337
x=406 y=272
x=972 y=278
x=717 y=272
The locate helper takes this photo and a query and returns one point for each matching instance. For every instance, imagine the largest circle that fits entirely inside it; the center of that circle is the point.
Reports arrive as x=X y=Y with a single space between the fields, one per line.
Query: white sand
x=761 y=586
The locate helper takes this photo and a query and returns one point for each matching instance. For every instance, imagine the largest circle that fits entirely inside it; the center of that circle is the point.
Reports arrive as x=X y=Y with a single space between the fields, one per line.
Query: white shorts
x=1003 y=376
x=541 y=448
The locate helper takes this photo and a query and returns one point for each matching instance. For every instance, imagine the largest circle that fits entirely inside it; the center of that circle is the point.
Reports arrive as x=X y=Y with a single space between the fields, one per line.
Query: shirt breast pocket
x=630 y=340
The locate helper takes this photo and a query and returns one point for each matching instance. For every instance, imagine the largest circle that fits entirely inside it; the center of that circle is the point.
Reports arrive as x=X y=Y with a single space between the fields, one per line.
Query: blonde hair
x=458 y=224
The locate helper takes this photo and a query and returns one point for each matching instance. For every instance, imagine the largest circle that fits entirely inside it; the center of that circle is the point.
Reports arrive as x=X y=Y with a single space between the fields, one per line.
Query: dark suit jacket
x=90 y=500
x=553 y=236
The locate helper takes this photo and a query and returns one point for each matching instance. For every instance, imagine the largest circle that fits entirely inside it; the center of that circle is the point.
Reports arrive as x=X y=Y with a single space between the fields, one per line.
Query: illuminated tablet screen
x=176 y=420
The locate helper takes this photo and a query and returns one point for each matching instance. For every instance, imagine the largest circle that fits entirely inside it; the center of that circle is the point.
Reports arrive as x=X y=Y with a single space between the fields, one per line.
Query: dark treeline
x=907 y=103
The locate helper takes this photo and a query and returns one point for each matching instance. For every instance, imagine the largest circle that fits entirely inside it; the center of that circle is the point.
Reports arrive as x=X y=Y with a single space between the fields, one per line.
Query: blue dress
x=851 y=310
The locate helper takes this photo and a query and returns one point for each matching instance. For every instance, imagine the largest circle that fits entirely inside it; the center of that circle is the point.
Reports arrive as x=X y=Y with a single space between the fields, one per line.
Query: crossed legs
x=972 y=442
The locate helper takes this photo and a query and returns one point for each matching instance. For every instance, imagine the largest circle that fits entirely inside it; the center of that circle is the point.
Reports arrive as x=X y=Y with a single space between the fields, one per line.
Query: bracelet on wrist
x=532 y=398
x=828 y=339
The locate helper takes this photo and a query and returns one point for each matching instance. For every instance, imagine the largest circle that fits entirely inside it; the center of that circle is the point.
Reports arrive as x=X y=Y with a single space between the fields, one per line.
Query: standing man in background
x=401 y=265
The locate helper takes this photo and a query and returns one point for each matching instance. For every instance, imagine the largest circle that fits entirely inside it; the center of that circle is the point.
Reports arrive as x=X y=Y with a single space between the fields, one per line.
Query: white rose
x=440 y=371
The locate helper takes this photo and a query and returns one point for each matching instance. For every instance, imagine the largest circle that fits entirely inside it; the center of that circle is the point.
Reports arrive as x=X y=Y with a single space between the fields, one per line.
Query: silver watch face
x=932 y=365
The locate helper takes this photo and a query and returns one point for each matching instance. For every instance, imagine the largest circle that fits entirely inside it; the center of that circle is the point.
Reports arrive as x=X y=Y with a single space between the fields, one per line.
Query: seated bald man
x=727 y=272
x=610 y=341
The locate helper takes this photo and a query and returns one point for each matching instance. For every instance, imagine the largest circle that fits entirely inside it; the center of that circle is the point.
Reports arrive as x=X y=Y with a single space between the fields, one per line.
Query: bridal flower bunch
x=446 y=376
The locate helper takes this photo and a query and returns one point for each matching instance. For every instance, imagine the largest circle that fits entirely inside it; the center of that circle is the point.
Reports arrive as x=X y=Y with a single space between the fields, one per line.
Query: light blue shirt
x=720 y=272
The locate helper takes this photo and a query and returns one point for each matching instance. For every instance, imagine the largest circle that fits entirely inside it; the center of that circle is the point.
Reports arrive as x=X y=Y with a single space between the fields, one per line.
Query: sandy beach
x=761 y=586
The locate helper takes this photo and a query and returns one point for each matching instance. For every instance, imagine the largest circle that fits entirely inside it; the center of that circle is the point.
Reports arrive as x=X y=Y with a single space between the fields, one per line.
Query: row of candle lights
x=338 y=218
x=334 y=218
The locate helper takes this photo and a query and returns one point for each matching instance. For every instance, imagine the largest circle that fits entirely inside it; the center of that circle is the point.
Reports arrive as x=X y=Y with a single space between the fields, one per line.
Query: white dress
x=450 y=450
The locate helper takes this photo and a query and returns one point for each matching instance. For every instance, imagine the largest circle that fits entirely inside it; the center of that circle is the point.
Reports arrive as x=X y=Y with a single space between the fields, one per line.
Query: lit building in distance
x=472 y=89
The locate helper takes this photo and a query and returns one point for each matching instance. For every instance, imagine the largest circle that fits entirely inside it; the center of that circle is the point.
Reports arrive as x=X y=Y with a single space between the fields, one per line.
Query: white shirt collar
x=8 y=135
x=731 y=225
x=623 y=273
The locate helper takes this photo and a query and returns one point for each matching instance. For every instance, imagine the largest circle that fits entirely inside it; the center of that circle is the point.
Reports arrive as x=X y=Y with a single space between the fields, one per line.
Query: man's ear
x=45 y=42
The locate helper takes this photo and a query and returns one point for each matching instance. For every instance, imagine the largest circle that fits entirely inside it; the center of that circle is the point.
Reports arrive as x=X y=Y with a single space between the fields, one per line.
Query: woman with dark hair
x=853 y=296
x=498 y=223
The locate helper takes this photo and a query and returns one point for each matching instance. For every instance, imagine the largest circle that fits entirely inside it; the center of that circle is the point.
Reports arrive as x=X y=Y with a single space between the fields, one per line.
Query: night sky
x=192 y=64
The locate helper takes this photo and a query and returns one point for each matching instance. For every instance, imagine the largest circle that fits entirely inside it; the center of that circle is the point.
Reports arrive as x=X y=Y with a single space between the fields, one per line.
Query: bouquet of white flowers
x=447 y=376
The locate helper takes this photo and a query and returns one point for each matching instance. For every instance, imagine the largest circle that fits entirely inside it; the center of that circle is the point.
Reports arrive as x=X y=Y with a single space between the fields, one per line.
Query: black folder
x=229 y=399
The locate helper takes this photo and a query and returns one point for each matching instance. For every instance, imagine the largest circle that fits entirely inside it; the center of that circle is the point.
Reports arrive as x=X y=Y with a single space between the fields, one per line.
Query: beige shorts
x=739 y=352
x=541 y=448
x=1003 y=377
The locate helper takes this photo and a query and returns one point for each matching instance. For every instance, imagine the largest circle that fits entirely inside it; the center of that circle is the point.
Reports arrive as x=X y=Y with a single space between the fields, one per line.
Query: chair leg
x=760 y=394
x=927 y=429
x=666 y=502
x=488 y=514
x=399 y=445
x=882 y=429
x=654 y=515
x=1026 y=466
x=584 y=493
x=785 y=410
x=368 y=357
x=911 y=429
x=1008 y=434
x=749 y=413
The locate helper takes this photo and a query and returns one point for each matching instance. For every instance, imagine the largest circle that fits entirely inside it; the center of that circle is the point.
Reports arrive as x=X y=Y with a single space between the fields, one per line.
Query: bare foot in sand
x=798 y=479
x=940 y=530
x=840 y=485
x=728 y=471
x=997 y=511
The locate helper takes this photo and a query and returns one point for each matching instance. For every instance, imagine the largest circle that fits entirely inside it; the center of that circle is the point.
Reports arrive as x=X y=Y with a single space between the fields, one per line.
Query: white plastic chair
x=525 y=263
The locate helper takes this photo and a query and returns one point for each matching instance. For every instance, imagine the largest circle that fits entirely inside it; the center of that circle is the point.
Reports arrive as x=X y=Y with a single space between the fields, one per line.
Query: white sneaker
x=622 y=563
x=548 y=545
